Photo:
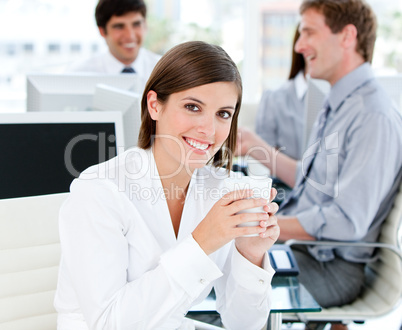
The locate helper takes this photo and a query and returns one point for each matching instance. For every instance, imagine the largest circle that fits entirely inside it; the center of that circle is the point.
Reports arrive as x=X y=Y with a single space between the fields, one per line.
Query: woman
x=146 y=235
x=280 y=116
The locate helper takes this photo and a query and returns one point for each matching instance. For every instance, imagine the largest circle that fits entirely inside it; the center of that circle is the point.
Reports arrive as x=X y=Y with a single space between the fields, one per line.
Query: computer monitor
x=41 y=153
x=317 y=90
x=108 y=98
x=73 y=91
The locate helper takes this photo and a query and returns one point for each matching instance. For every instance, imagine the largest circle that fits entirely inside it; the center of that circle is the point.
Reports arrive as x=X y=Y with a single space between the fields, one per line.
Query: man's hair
x=188 y=65
x=339 y=13
x=107 y=8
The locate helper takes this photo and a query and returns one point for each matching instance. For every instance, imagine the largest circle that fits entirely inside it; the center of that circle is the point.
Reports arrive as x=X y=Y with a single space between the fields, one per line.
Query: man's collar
x=349 y=83
x=115 y=66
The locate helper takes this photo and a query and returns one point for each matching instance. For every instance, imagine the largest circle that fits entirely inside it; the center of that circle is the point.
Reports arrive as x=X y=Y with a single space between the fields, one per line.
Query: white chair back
x=29 y=261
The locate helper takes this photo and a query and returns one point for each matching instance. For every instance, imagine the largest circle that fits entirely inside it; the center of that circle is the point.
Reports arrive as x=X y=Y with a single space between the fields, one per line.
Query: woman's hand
x=254 y=248
x=220 y=225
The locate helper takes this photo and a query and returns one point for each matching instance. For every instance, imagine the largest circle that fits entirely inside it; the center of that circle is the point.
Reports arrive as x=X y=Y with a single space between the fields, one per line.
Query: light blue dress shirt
x=356 y=171
x=280 y=116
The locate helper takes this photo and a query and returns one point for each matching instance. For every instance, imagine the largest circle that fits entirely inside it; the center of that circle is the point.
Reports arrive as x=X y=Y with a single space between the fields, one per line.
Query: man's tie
x=320 y=134
x=128 y=69
x=322 y=121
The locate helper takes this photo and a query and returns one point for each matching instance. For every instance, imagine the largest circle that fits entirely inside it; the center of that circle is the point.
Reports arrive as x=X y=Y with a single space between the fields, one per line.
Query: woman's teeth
x=196 y=144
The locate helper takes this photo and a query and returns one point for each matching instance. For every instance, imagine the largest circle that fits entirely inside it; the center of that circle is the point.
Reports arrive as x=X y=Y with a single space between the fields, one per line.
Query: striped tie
x=320 y=132
x=298 y=189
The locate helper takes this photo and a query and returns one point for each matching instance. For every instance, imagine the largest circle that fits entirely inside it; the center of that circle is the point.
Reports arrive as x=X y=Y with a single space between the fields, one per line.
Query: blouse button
x=261 y=282
x=203 y=281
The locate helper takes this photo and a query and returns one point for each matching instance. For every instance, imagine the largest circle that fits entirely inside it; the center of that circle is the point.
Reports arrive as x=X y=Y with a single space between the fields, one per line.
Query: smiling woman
x=136 y=260
x=192 y=124
x=186 y=66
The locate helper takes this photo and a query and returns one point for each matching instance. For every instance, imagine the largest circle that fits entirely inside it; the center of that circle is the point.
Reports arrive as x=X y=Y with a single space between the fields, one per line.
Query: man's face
x=322 y=49
x=124 y=36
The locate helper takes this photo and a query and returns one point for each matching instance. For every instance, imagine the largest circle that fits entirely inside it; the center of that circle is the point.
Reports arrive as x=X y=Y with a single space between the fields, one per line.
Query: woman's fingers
x=235 y=195
x=262 y=223
x=272 y=232
x=244 y=205
x=273 y=194
x=244 y=218
x=271 y=208
x=241 y=200
x=271 y=226
x=229 y=219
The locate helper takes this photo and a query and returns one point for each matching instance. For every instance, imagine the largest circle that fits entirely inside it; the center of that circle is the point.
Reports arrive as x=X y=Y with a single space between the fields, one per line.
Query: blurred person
x=122 y=23
x=140 y=245
x=345 y=184
x=280 y=116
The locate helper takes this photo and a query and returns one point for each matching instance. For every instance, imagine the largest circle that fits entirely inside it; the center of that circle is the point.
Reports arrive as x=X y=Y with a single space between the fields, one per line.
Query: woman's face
x=193 y=124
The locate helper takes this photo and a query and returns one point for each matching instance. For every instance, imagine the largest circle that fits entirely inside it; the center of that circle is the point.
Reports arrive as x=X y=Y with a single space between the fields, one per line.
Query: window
x=11 y=49
x=53 y=48
x=28 y=48
x=75 y=48
x=257 y=34
x=94 y=48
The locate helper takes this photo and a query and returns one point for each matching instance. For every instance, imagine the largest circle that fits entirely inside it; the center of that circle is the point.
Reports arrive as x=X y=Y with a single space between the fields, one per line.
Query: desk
x=288 y=296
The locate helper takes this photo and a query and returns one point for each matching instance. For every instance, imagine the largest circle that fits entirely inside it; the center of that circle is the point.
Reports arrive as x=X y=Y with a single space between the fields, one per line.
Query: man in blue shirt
x=345 y=184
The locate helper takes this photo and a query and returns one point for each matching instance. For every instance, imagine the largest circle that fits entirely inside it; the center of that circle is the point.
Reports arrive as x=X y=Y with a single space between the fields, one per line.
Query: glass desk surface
x=288 y=296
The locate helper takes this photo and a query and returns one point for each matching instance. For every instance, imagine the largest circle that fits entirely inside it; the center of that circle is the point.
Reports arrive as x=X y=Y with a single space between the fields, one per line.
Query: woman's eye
x=192 y=107
x=224 y=114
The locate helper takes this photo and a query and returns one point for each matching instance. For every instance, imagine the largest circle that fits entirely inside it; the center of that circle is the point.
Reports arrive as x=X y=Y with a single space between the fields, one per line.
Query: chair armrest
x=390 y=247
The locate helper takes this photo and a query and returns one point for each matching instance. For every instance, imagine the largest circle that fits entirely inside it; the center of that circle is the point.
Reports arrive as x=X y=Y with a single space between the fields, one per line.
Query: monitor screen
x=41 y=153
x=71 y=92
x=108 y=98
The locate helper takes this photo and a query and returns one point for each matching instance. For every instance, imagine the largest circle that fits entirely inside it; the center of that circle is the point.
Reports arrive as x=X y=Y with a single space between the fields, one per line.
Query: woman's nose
x=206 y=125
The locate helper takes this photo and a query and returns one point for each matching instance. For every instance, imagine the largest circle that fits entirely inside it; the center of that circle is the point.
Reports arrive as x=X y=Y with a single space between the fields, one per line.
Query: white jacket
x=122 y=266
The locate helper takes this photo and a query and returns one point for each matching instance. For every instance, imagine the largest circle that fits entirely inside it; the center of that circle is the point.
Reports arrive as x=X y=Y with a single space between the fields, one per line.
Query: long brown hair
x=186 y=66
x=298 y=62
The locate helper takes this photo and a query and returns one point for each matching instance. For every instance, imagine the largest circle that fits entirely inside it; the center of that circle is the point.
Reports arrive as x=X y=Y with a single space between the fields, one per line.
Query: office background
x=46 y=35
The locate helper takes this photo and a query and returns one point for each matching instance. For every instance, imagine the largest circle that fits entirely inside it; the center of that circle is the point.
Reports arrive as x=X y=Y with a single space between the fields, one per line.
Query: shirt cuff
x=250 y=276
x=190 y=267
x=306 y=217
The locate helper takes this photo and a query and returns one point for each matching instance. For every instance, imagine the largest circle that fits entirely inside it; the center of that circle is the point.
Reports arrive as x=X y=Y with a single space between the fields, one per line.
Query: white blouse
x=122 y=266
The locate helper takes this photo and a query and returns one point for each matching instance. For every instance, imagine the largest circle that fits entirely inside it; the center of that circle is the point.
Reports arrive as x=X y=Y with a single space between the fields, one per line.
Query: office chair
x=382 y=291
x=29 y=261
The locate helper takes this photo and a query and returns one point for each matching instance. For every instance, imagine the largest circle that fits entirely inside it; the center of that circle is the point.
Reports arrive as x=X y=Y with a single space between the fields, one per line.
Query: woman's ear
x=153 y=105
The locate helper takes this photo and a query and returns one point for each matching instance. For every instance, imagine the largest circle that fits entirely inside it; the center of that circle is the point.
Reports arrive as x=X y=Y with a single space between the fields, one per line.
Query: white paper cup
x=261 y=187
